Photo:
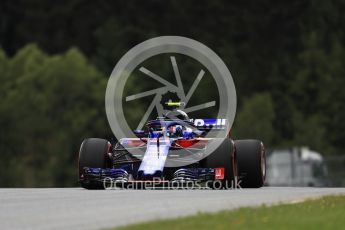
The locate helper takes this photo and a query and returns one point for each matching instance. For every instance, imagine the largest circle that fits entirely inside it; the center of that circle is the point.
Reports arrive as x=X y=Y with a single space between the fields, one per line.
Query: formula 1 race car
x=141 y=162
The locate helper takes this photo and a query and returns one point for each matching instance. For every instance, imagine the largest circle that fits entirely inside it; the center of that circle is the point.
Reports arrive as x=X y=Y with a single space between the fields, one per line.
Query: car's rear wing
x=210 y=124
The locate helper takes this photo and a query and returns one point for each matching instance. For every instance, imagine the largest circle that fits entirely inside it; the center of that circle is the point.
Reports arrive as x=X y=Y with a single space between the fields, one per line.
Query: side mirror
x=140 y=133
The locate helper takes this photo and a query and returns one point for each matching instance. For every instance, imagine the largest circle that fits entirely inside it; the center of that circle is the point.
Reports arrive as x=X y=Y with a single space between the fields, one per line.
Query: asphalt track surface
x=76 y=208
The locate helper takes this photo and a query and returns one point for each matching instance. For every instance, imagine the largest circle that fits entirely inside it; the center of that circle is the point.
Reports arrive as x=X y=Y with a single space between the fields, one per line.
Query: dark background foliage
x=287 y=59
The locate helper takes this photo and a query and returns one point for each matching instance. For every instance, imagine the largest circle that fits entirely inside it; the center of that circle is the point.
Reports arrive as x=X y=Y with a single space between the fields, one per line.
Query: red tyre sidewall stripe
x=234 y=160
x=262 y=158
x=107 y=157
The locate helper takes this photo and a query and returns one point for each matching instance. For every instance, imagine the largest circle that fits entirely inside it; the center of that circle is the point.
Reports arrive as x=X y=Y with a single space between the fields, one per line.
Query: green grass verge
x=324 y=213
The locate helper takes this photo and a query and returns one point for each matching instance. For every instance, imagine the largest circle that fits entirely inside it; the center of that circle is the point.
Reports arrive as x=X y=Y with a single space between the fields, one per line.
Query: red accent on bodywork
x=195 y=143
x=185 y=143
x=219 y=173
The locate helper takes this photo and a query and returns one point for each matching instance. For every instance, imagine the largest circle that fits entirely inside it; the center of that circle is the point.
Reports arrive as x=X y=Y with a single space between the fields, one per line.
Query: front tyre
x=251 y=162
x=93 y=154
x=223 y=157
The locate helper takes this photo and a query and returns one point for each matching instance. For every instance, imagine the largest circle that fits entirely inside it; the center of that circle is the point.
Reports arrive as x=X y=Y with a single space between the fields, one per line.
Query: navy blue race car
x=172 y=151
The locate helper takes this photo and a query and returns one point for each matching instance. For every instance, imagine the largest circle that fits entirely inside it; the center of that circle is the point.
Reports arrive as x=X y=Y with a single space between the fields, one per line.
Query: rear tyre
x=251 y=162
x=93 y=154
x=223 y=157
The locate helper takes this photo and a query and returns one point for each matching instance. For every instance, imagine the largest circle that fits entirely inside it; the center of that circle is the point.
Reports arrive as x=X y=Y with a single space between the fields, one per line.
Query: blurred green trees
x=255 y=119
x=48 y=105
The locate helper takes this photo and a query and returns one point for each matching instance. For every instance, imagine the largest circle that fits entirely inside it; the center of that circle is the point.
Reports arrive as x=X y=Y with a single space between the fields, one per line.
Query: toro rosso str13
x=174 y=138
